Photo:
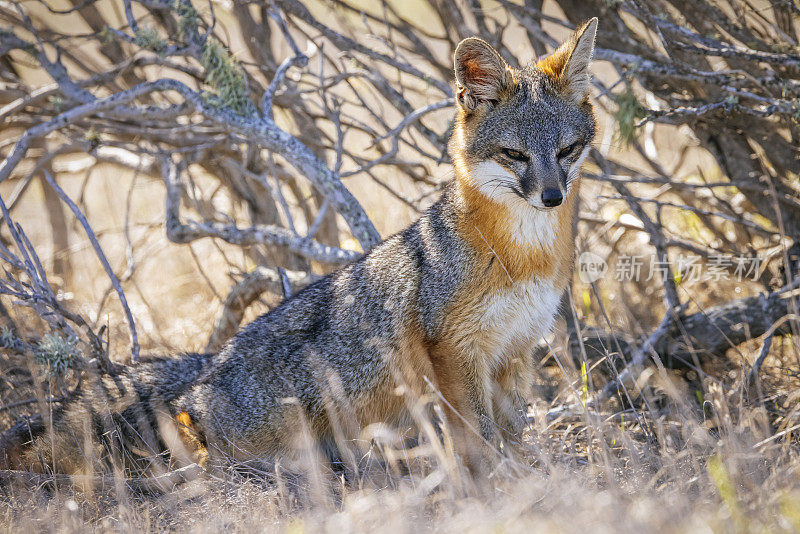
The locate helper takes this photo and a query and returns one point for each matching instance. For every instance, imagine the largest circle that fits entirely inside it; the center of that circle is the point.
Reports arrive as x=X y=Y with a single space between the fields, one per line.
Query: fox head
x=521 y=134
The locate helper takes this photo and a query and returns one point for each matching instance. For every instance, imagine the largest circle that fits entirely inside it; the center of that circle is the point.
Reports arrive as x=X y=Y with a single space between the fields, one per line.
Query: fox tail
x=109 y=419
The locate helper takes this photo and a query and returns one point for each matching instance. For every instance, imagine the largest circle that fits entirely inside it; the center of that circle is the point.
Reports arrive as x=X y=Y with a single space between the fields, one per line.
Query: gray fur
x=333 y=325
x=539 y=123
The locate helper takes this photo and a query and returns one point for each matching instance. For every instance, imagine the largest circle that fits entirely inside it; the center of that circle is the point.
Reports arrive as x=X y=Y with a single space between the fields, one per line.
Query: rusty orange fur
x=486 y=227
x=192 y=439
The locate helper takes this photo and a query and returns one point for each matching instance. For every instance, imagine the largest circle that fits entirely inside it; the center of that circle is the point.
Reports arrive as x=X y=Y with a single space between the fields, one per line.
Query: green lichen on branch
x=57 y=102
x=57 y=353
x=187 y=18
x=148 y=38
x=92 y=135
x=227 y=79
x=106 y=35
x=628 y=113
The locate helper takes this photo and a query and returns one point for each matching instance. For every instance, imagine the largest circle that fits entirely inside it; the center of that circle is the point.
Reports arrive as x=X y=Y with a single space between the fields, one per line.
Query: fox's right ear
x=481 y=74
x=568 y=66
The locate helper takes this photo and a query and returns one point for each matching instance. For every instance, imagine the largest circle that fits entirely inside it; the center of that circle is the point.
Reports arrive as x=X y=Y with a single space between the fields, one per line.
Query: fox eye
x=514 y=154
x=564 y=152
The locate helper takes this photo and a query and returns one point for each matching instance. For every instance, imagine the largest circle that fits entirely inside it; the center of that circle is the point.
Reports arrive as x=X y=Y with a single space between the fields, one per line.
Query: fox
x=454 y=302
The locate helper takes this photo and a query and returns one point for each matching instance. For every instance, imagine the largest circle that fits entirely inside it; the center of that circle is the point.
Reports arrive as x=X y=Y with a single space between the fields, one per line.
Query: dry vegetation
x=221 y=151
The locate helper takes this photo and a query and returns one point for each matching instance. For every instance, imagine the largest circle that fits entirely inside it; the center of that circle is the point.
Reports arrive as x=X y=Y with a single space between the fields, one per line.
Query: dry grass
x=692 y=475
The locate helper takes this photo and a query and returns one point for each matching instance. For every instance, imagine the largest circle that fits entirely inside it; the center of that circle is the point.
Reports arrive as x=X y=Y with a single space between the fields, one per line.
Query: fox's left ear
x=568 y=66
x=481 y=74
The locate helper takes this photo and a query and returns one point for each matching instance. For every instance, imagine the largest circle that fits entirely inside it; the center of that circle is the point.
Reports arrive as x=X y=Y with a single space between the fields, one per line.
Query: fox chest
x=502 y=320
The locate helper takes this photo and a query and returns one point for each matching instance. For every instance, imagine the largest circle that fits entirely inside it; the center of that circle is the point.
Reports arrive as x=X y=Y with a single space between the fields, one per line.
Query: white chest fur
x=521 y=314
x=512 y=317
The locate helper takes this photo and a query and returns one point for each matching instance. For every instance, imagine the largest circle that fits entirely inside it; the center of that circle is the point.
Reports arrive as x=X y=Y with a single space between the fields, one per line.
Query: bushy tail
x=109 y=419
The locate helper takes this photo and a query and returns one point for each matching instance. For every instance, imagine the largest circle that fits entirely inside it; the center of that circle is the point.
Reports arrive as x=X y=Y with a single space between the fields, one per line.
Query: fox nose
x=552 y=197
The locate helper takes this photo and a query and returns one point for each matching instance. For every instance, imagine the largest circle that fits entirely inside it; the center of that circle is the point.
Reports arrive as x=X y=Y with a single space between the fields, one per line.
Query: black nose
x=552 y=197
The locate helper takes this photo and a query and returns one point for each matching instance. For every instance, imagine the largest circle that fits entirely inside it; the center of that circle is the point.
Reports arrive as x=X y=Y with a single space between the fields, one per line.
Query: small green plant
x=731 y=100
x=8 y=339
x=147 y=37
x=584 y=383
x=58 y=103
x=57 y=353
x=727 y=489
x=790 y=509
x=227 y=78
x=587 y=302
x=92 y=135
x=106 y=35
x=629 y=111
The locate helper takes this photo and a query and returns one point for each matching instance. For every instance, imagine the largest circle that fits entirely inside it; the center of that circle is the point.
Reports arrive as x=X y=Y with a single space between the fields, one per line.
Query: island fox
x=455 y=301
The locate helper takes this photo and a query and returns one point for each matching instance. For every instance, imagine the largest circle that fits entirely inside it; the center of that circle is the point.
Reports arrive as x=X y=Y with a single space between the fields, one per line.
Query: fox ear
x=568 y=66
x=481 y=74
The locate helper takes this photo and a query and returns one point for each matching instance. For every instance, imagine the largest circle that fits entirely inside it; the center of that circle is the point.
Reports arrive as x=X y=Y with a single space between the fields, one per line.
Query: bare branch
x=243 y=294
x=104 y=261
